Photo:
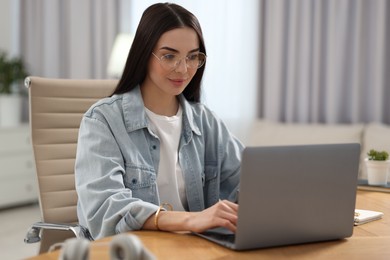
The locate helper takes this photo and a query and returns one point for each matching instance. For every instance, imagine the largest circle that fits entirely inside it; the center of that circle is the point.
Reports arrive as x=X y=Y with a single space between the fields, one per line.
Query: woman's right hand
x=221 y=214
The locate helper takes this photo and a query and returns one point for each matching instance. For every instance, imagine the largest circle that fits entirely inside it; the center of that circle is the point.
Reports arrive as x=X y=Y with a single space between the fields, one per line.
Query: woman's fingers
x=228 y=214
x=227 y=211
x=222 y=214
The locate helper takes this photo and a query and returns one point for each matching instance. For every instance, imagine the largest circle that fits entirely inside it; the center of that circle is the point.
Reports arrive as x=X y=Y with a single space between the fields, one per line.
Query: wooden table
x=369 y=241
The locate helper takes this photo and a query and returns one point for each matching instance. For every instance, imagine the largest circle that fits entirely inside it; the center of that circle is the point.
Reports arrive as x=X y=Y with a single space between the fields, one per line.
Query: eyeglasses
x=172 y=61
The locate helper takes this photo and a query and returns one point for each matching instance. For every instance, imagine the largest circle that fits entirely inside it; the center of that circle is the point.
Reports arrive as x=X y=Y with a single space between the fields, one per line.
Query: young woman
x=151 y=156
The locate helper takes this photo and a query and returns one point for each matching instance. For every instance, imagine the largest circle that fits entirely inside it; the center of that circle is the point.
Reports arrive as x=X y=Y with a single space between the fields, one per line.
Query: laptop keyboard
x=220 y=236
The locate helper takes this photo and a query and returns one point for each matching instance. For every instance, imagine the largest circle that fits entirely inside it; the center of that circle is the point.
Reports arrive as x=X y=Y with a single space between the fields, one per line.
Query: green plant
x=12 y=70
x=375 y=155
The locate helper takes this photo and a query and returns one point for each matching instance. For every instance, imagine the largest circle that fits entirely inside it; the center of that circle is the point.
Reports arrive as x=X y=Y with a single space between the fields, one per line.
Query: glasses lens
x=201 y=59
x=195 y=61
x=169 y=61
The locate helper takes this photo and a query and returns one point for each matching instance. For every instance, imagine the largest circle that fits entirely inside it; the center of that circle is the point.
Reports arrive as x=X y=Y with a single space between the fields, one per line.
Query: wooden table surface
x=369 y=241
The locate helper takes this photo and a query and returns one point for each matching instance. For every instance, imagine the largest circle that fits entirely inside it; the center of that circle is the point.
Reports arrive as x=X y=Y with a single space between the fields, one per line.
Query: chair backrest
x=56 y=109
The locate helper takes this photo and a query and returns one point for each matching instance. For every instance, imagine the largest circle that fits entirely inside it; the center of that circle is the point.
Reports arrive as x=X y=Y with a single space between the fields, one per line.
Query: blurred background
x=290 y=61
x=304 y=61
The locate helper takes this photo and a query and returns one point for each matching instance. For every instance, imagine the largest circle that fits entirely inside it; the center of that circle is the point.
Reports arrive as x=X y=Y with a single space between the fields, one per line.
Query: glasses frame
x=179 y=61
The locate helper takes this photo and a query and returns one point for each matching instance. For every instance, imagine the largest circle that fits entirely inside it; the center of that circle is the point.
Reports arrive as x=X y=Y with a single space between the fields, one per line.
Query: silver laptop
x=292 y=195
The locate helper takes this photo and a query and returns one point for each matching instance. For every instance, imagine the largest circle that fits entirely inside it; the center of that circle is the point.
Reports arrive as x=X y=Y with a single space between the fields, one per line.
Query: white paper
x=364 y=216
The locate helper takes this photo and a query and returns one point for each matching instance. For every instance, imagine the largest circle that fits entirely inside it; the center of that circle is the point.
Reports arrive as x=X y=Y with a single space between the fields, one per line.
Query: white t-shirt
x=170 y=180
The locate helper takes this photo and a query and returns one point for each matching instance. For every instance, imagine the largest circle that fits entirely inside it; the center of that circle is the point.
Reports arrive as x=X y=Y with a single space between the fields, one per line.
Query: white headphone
x=122 y=247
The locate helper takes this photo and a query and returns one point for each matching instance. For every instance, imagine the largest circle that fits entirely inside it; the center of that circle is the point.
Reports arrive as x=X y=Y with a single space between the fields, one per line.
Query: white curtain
x=325 y=61
x=68 y=39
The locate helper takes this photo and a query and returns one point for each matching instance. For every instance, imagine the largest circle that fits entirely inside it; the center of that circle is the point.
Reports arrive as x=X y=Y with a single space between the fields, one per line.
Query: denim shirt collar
x=135 y=116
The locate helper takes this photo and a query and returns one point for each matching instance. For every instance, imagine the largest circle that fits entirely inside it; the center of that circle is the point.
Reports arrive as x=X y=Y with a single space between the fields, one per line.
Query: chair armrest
x=33 y=234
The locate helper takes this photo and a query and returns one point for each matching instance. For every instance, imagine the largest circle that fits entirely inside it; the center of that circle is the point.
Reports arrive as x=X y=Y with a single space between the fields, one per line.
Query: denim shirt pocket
x=141 y=180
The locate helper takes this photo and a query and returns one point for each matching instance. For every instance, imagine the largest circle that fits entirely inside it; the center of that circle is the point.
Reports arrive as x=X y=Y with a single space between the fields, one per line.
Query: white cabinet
x=17 y=168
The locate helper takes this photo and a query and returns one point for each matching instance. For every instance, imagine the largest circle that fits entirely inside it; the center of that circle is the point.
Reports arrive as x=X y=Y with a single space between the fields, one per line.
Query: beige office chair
x=56 y=109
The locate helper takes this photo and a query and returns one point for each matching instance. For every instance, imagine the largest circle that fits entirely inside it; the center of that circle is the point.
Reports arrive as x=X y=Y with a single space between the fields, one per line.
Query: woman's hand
x=221 y=214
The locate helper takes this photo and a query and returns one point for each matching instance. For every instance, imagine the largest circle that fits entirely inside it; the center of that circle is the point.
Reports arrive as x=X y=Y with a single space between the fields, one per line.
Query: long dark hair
x=156 y=20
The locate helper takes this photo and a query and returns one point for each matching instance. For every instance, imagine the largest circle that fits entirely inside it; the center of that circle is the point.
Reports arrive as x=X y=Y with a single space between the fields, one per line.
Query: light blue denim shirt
x=118 y=157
